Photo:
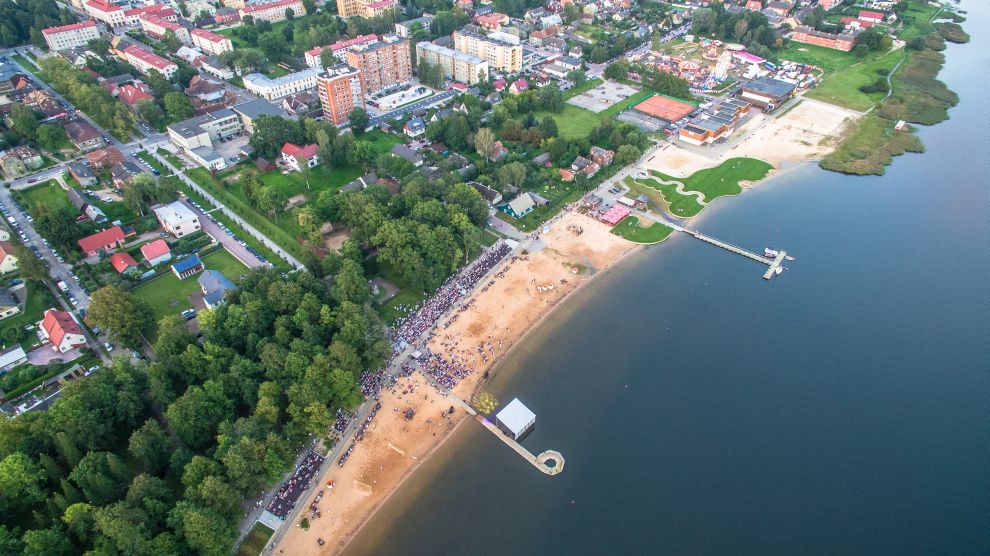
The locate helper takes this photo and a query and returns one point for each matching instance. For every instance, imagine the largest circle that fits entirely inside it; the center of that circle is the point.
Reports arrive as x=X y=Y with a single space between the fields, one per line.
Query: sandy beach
x=576 y=249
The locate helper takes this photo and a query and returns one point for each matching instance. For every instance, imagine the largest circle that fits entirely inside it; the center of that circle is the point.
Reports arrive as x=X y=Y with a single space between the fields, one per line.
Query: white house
x=295 y=156
x=177 y=219
x=59 y=328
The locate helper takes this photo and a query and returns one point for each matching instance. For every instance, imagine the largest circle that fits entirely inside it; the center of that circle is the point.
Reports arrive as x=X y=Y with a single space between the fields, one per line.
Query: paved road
x=229 y=243
x=410 y=108
x=229 y=213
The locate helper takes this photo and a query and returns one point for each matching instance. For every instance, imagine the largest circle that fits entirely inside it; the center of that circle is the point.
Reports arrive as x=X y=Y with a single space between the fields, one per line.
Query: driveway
x=229 y=243
x=44 y=355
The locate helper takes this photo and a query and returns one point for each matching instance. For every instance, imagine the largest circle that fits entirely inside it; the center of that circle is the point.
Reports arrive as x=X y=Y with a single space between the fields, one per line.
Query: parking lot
x=223 y=235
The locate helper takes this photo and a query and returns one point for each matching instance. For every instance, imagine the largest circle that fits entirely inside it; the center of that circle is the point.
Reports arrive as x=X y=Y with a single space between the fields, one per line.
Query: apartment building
x=365 y=8
x=146 y=61
x=499 y=54
x=339 y=49
x=195 y=136
x=340 y=93
x=404 y=28
x=157 y=27
x=457 y=66
x=111 y=14
x=210 y=42
x=273 y=11
x=70 y=36
x=271 y=89
x=384 y=64
x=131 y=16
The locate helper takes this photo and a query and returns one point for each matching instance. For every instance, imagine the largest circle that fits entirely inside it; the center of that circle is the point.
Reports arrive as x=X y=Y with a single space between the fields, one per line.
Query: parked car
x=108 y=345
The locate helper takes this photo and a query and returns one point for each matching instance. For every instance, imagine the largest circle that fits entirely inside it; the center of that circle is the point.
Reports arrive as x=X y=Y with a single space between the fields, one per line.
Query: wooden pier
x=549 y=462
x=773 y=264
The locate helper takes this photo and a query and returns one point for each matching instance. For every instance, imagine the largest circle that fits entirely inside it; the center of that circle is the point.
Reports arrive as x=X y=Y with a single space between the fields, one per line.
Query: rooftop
x=261 y=80
x=444 y=51
x=70 y=27
x=254 y=108
x=147 y=57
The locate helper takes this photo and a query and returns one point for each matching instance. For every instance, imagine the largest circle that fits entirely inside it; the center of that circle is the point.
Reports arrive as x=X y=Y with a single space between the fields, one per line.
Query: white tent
x=515 y=419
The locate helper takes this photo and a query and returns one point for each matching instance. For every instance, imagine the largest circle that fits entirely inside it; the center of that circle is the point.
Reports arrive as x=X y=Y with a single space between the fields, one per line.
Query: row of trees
x=81 y=89
x=155 y=459
x=25 y=123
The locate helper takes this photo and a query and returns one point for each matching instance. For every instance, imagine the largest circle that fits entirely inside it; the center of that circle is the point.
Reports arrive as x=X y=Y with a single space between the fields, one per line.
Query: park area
x=724 y=179
x=167 y=295
x=574 y=122
x=632 y=229
x=12 y=328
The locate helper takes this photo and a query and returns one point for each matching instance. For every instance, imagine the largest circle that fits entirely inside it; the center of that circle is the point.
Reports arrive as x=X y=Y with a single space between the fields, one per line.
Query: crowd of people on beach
x=287 y=495
x=425 y=315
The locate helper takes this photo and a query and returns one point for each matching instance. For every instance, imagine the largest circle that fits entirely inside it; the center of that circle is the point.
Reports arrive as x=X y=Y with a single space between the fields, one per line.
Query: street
x=230 y=244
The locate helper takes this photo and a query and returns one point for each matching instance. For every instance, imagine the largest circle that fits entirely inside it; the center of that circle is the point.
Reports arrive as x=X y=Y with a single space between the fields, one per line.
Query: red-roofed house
x=105 y=158
x=210 y=42
x=107 y=241
x=62 y=331
x=8 y=262
x=131 y=16
x=492 y=21
x=754 y=5
x=157 y=27
x=499 y=85
x=854 y=23
x=156 y=252
x=294 y=155
x=131 y=93
x=71 y=36
x=111 y=14
x=146 y=61
x=123 y=263
x=518 y=86
x=872 y=17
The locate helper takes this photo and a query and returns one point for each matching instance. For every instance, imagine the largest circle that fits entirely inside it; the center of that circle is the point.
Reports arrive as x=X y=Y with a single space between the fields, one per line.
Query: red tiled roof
x=103 y=6
x=869 y=14
x=71 y=27
x=306 y=151
x=260 y=7
x=208 y=35
x=155 y=249
x=121 y=262
x=6 y=248
x=129 y=94
x=57 y=324
x=147 y=57
x=157 y=9
x=154 y=19
x=101 y=239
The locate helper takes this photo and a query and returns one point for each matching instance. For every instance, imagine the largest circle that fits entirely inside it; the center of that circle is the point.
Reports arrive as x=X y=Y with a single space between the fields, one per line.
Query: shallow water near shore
x=840 y=408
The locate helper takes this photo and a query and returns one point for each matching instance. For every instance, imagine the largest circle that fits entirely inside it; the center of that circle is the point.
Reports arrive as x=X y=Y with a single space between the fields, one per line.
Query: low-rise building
x=106 y=241
x=157 y=27
x=177 y=219
x=248 y=111
x=156 y=252
x=123 y=263
x=133 y=16
x=414 y=127
x=404 y=28
x=214 y=286
x=201 y=131
x=104 y=159
x=62 y=331
x=8 y=261
x=184 y=268
x=145 y=61
x=82 y=173
x=9 y=306
x=295 y=156
x=12 y=357
x=271 y=89
x=75 y=35
x=600 y=156
x=405 y=152
x=19 y=161
x=210 y=42
x=84 y=136
x=107 y=12
x=273 y=11
x=844 y=41
x=766 y=92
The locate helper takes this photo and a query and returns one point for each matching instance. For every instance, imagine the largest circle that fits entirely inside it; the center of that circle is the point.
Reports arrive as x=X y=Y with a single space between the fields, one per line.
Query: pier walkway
x=550 y=462
x=773 y=264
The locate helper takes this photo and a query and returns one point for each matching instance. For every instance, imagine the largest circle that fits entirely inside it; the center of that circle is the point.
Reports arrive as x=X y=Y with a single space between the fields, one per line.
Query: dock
x=773 y=264
x=550 y=462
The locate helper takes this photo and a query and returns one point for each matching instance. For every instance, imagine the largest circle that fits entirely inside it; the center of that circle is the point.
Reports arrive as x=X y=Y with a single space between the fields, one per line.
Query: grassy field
x=48 y=194
x=723 y=179
x=255 y=541
x=684 y=206
x=25 y=63
x=842 y=87
x=633 y=230
x=167 y=295
x=870 y=146
x=574 y=122
x=38 y=299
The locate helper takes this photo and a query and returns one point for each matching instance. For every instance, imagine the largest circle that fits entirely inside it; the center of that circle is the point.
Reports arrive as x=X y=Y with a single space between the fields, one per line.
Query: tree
x=513 y=173
x=120 y=312
x=364 y=154
x=548 y=126
x=21 y=481
x=51 y=137
x=46 y=542
x=327 y=58
x=194 y=416
x=598 y=54
x=178 y=106
x=309 y=6
x=484 y=140
x=577 y=76
x=290 y=14
x=627 y=154
x=861 y=50
x=571 y=12
x=58 y=225
x=169 y=41
x=173 y=336
x=32 y=268
x=273 y=45
x=24 y=121
x=271 y=132
x=150 y=112
x=151 y=446
x=158 y=84
x=359 y=119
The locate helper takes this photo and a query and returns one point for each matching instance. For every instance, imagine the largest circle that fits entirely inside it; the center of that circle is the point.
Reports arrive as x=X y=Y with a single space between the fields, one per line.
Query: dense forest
x=22 y=21
x=155 y=459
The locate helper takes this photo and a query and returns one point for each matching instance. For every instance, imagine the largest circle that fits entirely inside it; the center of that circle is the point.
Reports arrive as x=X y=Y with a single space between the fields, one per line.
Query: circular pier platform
x=550 y=462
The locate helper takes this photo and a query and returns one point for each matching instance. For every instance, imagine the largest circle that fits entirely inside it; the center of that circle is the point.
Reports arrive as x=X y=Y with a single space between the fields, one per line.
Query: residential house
x=408 y=154
x=123 y=263
x=8 y=262
x=104 y=158
x=9 y=305
x=84 y=136
x=518 y=86
x=82 y=173
x=208 y=96
x=78 y=200
x=132 y=93
x=156 y=252
x=492 y=196
x=184 y=268
x=600 y=156
x=522 y=205
x=302 y=104
x=64 y=333
x=214 y=286
x=19 y=161
x=42 y=101
x=295 y=156
x=872 y=17
x=498 y=152
x=123 y=172
x=106 y=241
x=585 y=166
x=414 y=127
x=177 y=219
x=12 y=357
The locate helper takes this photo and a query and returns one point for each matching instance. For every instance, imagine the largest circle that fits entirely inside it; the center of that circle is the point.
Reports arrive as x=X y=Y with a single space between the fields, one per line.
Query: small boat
x=770 y=253
x=779 y=270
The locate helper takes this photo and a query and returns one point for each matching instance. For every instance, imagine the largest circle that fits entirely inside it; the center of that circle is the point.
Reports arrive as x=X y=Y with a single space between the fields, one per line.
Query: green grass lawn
x=256 y=540
x=167 y=295
x=48 y=194
x=233 y=198
x=381 y=141
x=842 y=87
x=582 y=88
x=25 y=63
x=38 y=299
x=632 y=229
x=575 y=122
x=723 y=179
x=153 y=162
x=684 y=206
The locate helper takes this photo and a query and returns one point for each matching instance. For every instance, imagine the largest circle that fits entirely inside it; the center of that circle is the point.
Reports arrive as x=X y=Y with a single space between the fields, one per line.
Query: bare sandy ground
x=807 y=132
x=497 y=320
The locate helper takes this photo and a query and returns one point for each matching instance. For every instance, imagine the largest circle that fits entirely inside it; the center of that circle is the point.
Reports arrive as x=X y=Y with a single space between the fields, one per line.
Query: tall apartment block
x=383 y=64
x=499 y=54
x=340 y=93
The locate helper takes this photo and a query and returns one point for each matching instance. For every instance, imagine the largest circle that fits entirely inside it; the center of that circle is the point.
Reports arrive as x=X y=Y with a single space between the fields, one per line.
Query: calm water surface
x=840 y=409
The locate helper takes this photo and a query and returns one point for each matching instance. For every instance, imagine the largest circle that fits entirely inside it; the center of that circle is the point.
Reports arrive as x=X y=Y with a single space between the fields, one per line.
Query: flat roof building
x=384 y=64
x=272 y=89
x=340 y=93
x=70 y=36
x=515 y=419
x=457 y=66
x=500 y=55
